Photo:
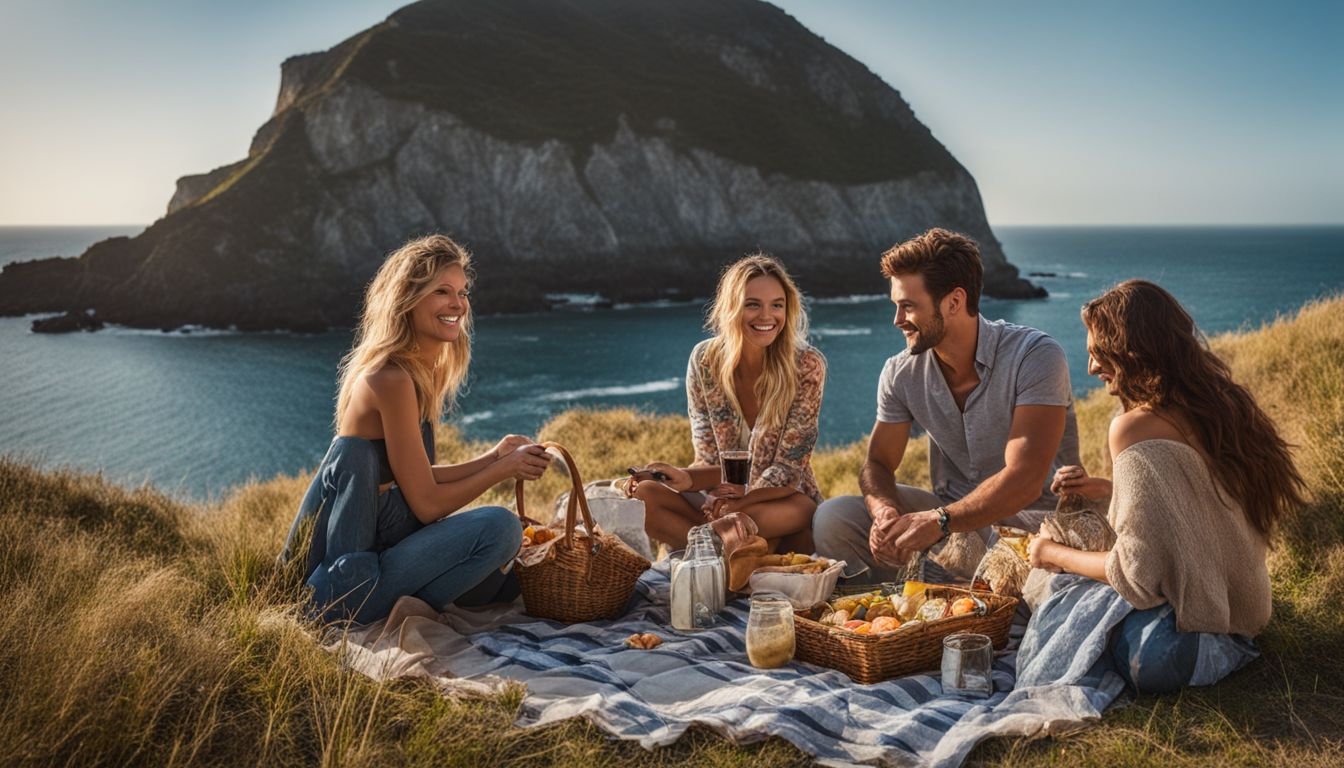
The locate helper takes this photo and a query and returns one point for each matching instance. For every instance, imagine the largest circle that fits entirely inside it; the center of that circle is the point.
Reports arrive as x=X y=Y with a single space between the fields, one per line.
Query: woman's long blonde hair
x=386 y=333
x=778 y=383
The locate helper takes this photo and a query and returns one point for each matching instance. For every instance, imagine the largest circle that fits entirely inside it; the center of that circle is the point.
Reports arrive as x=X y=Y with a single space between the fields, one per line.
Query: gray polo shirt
x=1017 y=366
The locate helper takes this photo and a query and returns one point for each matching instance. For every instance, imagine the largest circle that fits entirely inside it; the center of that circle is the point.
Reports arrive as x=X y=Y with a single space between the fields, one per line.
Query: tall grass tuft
x=138 y=630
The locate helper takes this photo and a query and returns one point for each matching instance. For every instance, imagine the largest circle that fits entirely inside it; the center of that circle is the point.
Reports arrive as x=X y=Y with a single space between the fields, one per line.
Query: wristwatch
x=944 y=521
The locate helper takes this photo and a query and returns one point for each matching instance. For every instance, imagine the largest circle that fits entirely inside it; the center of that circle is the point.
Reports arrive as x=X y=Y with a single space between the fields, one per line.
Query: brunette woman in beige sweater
x=1200 y=478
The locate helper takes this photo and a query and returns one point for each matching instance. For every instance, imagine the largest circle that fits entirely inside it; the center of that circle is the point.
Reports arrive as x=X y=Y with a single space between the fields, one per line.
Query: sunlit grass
x=138 y=630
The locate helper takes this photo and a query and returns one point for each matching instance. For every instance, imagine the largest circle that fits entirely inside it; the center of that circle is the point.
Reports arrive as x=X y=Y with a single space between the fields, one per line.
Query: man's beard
x=929 y=336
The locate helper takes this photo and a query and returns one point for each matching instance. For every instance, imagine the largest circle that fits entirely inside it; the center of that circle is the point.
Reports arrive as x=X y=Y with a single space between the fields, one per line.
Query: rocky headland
x=627 y=148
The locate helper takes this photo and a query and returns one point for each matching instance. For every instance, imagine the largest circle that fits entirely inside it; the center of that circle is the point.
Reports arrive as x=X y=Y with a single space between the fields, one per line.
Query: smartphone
x=655 y=474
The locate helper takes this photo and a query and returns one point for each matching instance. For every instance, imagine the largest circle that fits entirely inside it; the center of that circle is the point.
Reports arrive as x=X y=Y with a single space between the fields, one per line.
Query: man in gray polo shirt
x=996 y=403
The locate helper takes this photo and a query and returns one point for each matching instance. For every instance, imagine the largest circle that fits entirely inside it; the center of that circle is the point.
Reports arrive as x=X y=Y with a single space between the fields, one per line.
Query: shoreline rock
x=68 y=322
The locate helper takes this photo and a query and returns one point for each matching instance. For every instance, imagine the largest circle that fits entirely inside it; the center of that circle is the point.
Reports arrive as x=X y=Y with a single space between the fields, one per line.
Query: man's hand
x=884 y=516
x=910 y=535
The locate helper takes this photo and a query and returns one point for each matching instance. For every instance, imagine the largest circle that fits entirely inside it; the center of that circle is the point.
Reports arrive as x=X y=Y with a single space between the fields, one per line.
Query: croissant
x=644 y=642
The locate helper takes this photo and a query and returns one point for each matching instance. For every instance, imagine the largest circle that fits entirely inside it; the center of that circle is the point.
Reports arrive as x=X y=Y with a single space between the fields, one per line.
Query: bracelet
x=944 y=521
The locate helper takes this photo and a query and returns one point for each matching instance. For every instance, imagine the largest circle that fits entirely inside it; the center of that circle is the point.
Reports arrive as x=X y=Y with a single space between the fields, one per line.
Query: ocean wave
x=855 y=298
x=578 y=301
x=186 y=331
x=661 y=385
x=659 y=303
x=472 y=418
x=825 y=331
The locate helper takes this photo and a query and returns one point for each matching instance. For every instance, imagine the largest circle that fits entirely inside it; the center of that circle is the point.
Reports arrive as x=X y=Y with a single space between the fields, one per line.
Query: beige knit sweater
x=1181 y=539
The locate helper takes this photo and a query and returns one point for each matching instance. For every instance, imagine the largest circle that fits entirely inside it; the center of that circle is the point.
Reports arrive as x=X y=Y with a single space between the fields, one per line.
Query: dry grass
x=140 y=631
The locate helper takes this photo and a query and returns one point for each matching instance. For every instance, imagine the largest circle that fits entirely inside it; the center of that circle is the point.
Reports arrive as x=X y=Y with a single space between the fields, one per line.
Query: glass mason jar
x=770 y=631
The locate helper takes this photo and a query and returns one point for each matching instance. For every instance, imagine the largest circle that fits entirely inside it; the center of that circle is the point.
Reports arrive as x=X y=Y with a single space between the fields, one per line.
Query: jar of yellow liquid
x=770 y=641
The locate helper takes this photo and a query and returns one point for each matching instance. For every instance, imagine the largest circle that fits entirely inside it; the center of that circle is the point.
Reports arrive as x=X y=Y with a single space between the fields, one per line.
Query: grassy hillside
x=137 y=630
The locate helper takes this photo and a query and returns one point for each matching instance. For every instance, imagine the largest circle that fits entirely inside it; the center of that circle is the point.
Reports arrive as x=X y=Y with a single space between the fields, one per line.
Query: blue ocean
x=198 y=413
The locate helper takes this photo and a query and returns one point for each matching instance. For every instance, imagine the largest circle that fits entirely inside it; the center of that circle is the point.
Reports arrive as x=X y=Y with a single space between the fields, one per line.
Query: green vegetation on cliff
x=140 y=631
x=702 y=71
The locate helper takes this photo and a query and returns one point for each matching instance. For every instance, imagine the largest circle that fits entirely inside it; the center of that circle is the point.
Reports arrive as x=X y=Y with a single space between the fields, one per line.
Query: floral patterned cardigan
x=781 y=457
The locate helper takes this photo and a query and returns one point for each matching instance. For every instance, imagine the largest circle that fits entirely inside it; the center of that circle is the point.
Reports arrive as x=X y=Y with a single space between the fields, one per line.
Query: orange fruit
x=885 y=624
x=858 y=627
x=963 y=606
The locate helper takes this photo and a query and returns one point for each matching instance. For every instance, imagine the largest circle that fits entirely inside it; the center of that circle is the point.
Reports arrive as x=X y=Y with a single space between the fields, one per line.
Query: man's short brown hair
x=946 y=260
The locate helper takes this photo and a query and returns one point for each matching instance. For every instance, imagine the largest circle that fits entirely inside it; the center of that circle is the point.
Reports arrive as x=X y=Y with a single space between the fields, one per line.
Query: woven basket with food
x=880 y=634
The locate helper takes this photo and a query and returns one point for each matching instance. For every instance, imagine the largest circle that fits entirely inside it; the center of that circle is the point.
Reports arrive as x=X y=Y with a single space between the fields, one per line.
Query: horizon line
x=1097 y=225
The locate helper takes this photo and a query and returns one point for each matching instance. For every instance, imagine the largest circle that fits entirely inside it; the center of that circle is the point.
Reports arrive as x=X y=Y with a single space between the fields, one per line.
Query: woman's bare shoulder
x=1139 y=424
x=390 y=380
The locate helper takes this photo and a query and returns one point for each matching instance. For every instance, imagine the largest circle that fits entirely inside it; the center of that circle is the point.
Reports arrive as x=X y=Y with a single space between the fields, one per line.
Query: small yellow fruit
x=913 y=588
x=846 y=604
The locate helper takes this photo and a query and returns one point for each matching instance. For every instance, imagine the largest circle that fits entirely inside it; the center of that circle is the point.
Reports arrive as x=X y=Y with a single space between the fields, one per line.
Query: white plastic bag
x=613 y=513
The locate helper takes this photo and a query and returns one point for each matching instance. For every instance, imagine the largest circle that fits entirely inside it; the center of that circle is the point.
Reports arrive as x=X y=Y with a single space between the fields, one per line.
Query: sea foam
x=661 y=385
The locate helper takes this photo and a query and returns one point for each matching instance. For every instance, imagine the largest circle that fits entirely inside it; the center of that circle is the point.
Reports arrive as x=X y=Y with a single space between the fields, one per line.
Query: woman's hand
x=678 y=479
x=527 y=462
x=724 y=499
x=1074 y=479
x=508 y=445
x=1040 y=552
x=713 y=507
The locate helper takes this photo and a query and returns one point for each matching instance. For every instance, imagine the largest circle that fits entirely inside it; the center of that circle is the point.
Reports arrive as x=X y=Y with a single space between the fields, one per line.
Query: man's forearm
x=1002 y=495
x=878 y=484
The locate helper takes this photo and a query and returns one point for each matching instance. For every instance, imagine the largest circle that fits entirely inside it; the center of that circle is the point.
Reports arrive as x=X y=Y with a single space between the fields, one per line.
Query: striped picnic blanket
x=703 y=678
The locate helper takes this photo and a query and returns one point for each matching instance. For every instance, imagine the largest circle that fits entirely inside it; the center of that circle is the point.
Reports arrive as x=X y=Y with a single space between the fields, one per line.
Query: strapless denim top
x=385 y=466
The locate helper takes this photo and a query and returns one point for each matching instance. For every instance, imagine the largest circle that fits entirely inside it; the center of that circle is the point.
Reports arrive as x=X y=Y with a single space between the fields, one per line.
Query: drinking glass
x=966 y=665
x=736 y=467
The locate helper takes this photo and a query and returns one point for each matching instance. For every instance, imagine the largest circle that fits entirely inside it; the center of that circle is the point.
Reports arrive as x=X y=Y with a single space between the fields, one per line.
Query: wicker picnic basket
x=588 y=574
x=917 y=648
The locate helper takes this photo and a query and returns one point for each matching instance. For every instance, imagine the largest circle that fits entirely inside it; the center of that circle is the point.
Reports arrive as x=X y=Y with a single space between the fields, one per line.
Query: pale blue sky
x=1065 y=112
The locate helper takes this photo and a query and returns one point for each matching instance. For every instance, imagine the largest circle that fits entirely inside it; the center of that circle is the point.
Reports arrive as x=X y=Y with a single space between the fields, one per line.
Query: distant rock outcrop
x=622 y=147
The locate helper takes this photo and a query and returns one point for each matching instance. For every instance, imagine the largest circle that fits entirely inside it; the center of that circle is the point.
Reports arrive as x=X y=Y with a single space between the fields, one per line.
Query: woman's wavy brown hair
x=1159 y=359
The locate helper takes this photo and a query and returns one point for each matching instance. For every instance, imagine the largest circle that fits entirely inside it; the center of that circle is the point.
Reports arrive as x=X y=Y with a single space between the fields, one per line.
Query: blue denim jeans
x=1154 y=657
x=368 y=548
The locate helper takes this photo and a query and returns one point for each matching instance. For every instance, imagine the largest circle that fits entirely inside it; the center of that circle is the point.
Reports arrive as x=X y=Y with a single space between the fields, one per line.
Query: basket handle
x=577 y=501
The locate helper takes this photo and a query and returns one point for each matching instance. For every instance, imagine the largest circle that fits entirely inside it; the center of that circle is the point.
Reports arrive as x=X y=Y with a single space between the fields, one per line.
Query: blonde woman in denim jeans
x=385 y=518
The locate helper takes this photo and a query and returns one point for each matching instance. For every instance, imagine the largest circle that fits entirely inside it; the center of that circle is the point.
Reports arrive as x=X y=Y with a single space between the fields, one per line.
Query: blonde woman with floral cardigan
x=754 y=386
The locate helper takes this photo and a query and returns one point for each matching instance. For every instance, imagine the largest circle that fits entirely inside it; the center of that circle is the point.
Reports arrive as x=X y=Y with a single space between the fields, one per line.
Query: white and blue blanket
x=703 y=678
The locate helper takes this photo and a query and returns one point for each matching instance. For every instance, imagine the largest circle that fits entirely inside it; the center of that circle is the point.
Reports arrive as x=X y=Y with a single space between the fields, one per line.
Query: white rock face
x=395 y=169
